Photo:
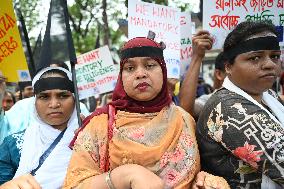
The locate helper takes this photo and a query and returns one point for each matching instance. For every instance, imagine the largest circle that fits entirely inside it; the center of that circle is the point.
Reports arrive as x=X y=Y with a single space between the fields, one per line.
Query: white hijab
x=276 y=107
x=37 y=138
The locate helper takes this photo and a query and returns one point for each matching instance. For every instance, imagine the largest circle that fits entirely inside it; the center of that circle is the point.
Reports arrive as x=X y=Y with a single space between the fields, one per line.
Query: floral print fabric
x=239 y=141
x=163 y=142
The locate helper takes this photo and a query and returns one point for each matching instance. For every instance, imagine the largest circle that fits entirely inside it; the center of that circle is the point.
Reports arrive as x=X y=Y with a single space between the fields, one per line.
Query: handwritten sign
x=185 y=42
x=221 y=16
x=162 y=20
x=95 y=73
x=13 y=63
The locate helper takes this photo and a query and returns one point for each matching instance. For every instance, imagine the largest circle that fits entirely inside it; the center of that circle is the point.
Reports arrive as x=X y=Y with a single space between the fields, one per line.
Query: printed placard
x=185 y=42
x=12 y=57
x=221 y=16
x=95 y=73
x=165 y=22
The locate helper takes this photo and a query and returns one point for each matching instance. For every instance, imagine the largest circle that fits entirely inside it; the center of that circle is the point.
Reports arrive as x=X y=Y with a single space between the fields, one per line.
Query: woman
x=39 y=155
x=140 y=139
x=240 y=131
x=10 y=125
x=8 y=101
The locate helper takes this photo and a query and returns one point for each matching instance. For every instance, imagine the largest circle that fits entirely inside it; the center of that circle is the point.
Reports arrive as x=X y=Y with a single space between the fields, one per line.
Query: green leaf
x=245 y=169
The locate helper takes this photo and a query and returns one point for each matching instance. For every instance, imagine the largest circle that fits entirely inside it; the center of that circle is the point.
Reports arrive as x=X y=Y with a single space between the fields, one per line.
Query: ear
x=228 y=68
x=220 y=75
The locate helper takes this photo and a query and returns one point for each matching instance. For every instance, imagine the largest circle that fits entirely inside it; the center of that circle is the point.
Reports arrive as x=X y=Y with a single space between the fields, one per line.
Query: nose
x=54 y=103
x=268 y=64
x=4 y=104
x=141 y=73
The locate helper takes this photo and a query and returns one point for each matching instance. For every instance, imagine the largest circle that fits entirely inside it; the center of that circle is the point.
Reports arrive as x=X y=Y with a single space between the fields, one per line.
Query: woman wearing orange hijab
x=140 y=139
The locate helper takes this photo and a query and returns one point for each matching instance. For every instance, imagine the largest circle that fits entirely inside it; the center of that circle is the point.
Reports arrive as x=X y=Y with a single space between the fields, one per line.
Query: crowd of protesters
x=144 y=134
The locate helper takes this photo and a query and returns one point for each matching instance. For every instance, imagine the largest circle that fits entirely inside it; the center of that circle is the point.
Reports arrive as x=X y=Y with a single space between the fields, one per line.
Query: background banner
x=13 y=63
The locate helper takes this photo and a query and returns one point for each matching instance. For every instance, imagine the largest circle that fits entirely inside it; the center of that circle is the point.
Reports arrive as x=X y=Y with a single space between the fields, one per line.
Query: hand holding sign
x=201 y=42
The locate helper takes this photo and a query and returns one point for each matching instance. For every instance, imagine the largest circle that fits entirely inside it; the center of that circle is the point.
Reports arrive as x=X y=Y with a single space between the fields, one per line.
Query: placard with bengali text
x=221 y=16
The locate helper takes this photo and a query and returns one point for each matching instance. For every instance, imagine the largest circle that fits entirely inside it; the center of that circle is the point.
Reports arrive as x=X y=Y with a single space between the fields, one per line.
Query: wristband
x=108 y=181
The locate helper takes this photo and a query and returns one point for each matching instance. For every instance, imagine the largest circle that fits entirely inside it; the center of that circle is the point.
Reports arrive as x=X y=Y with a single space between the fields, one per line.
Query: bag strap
x=111 y=123
x=48 y=151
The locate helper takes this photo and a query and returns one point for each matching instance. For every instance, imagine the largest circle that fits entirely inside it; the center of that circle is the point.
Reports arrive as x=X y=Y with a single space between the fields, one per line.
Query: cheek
x=126 y=80
x=160 y=81
x=40 y=109
x=69 y=107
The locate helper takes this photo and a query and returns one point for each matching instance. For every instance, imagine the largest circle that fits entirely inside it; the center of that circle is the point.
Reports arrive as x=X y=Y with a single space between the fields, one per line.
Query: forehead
x=28 y=87
x=54 y=91
x=263 y=52
x=8 y=96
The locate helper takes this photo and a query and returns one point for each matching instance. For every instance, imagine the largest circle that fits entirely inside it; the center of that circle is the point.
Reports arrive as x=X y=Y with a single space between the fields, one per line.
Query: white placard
x=221 y=16
x=185 y=42
x=95 y=73
x=165 y=22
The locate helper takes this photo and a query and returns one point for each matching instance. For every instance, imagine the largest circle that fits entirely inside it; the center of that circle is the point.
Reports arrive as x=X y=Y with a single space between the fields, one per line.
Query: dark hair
x=243 y=31
x=52 y=72
x=11 y=94
x=220 y=62
x=60 y=63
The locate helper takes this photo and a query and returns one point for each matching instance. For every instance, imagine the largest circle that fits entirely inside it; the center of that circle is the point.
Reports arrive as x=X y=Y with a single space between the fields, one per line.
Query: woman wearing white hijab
x=39 y=155
x=241 y=129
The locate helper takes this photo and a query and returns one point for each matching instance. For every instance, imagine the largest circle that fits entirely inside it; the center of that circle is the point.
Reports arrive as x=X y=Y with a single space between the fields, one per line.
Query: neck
x=256 y=97
x=60 y=127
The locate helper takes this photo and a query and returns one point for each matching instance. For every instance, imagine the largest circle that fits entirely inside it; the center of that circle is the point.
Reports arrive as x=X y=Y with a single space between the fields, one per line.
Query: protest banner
x=185 y=42
x=221 y=16
x=165 y=22
x=13 y=63
x=95 y=73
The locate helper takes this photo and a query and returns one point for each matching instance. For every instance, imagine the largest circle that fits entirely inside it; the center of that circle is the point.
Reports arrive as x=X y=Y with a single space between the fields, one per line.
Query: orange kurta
x=162 y=142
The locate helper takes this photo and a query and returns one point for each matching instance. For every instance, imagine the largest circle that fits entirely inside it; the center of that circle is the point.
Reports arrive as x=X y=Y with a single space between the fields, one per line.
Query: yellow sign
x=13 y=63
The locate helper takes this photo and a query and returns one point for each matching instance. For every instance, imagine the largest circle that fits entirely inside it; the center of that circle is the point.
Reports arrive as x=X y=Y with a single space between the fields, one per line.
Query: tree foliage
x=30 y=12
x=92 y=22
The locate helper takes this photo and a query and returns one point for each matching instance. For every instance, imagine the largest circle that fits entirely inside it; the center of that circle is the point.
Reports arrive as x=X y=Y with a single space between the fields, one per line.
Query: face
x=7 y=102
x=142 y=78
x=256 y=71
x=28 y=92
x=55 y=107
x=17 y=95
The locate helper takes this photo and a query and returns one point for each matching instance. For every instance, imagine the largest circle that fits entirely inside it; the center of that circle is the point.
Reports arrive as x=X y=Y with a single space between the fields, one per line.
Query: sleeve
x=89 y=153
x=7 y=170
x=250 y=135
x=4 y=126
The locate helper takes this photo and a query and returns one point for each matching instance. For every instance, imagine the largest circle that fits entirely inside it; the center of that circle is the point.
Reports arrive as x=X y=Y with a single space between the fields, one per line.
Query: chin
x=55 y=123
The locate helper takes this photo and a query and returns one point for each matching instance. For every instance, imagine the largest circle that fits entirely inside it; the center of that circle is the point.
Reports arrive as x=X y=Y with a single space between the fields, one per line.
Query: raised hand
x=201 y=42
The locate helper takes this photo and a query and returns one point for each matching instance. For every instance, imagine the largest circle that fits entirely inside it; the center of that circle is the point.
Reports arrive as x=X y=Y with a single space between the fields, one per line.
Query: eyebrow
x=262 y=51
x=59 y=92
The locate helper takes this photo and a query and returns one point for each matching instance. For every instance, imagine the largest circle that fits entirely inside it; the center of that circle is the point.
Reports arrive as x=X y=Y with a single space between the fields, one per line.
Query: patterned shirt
x=239 y=141
x=10 y=152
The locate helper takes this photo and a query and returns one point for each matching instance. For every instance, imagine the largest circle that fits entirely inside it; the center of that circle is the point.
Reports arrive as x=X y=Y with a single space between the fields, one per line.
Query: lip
x=142 y=86
x=55 y=114
x=269 y=76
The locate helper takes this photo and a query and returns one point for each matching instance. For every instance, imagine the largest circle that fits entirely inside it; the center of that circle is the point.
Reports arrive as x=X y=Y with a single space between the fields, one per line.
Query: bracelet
x=108 y=181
